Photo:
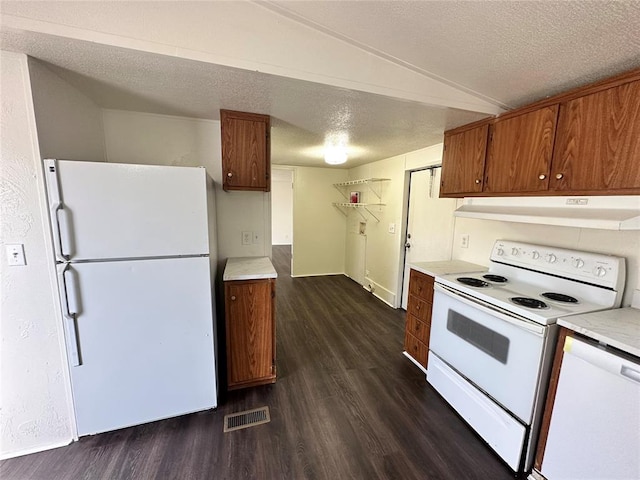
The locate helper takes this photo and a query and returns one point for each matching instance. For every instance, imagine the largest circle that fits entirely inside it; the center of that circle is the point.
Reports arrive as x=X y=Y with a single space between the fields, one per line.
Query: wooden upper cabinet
x=463 y=161
x=519 y=152
x=598 y=146
x=246 y=162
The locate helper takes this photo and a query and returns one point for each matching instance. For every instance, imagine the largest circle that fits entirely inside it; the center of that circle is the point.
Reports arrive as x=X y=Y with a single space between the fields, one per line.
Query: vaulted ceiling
x=393 y=75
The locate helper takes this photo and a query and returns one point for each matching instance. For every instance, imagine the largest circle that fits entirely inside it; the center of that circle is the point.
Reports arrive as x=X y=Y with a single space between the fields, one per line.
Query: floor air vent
x=246 y=419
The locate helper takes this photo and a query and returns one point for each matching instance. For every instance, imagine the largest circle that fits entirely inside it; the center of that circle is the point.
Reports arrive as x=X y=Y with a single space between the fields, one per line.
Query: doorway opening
x=282 y=215
x=429 y=223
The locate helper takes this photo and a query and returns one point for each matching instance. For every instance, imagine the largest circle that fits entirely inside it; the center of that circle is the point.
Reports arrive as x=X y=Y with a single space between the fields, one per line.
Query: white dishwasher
x=595 y=423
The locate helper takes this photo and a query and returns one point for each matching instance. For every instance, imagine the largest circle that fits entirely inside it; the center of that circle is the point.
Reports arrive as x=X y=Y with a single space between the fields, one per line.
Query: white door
x=104 y=210
x=144 y=334
x=429 y=223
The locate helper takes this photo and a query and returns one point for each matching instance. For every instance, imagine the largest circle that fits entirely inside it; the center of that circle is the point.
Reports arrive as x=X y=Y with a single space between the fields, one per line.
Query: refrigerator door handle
x=70 y=311
x=56 y=206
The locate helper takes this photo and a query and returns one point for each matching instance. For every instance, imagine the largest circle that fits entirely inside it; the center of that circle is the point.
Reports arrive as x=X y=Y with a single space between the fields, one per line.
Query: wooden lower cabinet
x=418 y=325
x=250 y=332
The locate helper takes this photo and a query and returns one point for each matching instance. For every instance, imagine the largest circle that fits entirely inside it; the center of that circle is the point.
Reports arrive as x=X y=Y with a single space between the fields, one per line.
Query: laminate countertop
x=446 y=267
x=619 y=328
x=248 y=268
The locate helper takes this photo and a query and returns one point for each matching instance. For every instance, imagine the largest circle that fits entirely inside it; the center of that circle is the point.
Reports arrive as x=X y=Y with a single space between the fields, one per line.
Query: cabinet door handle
x=542 y=176
x=559 y=176
x=477 y=181
x=233 y=297
x=229 y=174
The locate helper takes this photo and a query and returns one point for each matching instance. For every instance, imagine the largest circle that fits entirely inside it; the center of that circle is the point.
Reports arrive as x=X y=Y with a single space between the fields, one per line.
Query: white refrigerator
x=132 y=246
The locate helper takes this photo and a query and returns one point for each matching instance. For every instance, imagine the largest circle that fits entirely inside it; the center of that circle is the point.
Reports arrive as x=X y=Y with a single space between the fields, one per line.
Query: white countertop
x=619 y=328
x=248 y=268
x=446 y=267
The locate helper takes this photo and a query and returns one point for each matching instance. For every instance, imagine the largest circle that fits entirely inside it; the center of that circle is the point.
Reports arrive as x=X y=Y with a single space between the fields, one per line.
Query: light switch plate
x=15 y=255
x=392 y=228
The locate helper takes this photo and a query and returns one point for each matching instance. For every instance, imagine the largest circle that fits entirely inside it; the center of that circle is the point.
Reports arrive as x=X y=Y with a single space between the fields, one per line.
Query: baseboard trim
x=318 y=275
x=29 y=451
x=413 y=360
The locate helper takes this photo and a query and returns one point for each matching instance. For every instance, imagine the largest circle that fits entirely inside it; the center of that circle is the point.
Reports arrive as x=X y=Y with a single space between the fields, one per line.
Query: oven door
x=501 y=354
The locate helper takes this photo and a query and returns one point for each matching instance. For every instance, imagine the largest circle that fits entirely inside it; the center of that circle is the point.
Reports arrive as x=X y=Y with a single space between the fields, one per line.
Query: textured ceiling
x=511 y=51
x=508 y=52
x=302 y=112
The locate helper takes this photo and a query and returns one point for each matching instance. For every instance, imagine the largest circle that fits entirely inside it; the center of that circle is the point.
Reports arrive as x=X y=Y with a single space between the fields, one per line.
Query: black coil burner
x=529 y=302
x=495 y=278
x=473 y=282
x=560 y=297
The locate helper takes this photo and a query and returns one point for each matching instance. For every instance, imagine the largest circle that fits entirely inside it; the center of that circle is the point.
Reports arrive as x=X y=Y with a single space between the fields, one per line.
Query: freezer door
x=144 y=335
x=107 y=211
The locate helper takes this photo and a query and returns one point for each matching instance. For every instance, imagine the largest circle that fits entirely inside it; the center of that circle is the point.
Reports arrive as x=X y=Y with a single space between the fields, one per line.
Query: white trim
x=29 y=451
x=424 y=370
x=319 y=275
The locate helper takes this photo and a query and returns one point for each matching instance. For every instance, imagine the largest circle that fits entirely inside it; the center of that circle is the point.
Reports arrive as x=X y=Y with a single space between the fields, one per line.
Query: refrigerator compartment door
x=104 y=210
x=146 y=337
x=504 y=434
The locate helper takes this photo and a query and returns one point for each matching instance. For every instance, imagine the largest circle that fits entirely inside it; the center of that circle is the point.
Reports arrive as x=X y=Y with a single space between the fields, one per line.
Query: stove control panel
x=595 y=268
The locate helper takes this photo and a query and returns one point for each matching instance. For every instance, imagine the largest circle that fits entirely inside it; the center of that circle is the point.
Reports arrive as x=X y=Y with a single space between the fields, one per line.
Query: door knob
x=407 y=245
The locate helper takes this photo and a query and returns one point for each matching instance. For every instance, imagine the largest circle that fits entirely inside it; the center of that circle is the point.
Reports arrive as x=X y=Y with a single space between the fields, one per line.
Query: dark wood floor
x=347 y=405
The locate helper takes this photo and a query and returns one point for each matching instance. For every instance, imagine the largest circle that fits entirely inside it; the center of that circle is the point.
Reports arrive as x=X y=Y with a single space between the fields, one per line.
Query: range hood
x=607 y=213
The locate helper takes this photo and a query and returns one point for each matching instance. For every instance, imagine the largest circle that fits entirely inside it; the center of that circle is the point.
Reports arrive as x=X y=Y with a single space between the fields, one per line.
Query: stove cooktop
x=542 y=299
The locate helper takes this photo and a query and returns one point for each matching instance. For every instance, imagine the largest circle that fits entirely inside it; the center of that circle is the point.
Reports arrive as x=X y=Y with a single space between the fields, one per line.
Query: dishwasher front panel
x=595 y=422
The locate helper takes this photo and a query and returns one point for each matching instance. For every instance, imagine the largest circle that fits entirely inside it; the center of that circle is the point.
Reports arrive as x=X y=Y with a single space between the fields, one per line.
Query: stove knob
x=500 y=252
x=514 y=252
x=535 y=254
x=551 y=258
x=578 y=262
x=599 y=271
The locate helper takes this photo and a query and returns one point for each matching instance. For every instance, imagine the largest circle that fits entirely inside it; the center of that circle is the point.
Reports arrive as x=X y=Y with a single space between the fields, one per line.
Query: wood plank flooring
x=347 y=405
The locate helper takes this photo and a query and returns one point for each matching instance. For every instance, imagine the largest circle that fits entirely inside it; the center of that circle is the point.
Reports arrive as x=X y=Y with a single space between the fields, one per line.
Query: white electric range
x=493 y=336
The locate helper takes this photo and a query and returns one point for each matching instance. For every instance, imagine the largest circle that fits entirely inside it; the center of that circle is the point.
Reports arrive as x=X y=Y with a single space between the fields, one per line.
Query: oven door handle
x=495 y=312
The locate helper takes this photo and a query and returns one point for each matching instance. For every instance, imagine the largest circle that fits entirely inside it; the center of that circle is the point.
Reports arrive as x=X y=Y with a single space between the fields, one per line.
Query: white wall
x=483 y=234
x=281 y=206
x=69 y=123
x=134 y=137
x=319 y=228
x=384 y=250
x=35 y=398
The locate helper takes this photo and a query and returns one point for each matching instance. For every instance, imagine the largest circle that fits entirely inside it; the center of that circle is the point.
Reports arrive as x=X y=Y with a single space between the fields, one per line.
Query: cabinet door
x=245 y=151
x=250 y=330
x=598 y=146
x=519 y=152
x=463 y=161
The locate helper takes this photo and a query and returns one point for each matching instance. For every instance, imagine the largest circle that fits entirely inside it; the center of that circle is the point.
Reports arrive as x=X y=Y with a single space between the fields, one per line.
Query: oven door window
x=489 y=341
x=494 y=351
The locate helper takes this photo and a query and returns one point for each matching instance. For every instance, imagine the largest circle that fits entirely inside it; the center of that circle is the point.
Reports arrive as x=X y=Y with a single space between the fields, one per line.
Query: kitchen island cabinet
x=246 y=151
x=249 y=297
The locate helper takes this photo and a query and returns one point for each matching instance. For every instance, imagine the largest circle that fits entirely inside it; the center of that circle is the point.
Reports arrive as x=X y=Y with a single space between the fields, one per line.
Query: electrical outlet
x=15 y=255
x=247 y=238
x=464 y=240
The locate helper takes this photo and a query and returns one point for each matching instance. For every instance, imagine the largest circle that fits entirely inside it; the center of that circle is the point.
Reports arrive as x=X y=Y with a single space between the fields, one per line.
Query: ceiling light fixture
x=335 y=148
